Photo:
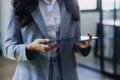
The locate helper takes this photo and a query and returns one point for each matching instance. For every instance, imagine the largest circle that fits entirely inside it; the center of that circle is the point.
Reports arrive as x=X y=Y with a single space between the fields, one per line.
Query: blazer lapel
x=37 y=16
x=65 y=20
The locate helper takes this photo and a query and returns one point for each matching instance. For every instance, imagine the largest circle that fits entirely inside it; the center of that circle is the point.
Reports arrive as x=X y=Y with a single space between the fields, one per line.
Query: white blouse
x=51 y=16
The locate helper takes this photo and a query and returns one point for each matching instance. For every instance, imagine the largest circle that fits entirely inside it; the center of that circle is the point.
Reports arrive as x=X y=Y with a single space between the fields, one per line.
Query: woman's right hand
x=40 y=45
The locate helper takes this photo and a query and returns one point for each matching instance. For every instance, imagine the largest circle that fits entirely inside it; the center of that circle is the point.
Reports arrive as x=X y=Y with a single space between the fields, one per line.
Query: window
x=109 y=4
x=88 y=4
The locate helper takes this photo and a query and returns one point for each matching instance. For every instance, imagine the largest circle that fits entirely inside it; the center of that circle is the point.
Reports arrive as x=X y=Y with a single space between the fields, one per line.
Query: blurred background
x=99 y=17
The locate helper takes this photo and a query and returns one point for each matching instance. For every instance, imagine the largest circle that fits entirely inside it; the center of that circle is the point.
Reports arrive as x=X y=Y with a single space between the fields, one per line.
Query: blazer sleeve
x=14 y=47
x=76 y=48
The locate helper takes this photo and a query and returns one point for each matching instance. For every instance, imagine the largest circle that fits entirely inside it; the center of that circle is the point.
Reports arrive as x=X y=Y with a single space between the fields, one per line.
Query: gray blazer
x=38 y=68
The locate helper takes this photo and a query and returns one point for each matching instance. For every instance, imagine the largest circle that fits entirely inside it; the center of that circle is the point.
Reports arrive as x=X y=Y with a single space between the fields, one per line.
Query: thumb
x=90 y=35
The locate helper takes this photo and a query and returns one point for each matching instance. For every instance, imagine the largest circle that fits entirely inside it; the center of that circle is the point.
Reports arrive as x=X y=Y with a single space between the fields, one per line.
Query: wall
x=88 y=22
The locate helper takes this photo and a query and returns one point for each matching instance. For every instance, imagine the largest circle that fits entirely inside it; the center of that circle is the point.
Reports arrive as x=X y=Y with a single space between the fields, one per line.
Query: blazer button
x=54 y=60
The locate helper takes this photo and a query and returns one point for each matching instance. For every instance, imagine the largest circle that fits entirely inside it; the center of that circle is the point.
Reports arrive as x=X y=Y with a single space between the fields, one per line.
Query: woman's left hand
x=85 y=44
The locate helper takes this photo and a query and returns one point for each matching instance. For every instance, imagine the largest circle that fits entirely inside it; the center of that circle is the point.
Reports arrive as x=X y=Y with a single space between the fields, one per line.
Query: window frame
x=98 y=7
x=91 y=10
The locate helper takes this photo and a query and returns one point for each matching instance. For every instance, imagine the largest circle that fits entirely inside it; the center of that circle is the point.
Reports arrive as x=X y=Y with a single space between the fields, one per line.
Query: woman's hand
x=85 y=44
x=40 y=45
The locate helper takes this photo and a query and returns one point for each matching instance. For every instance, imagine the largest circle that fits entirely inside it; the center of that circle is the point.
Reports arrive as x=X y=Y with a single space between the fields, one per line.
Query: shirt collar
x=49 y=2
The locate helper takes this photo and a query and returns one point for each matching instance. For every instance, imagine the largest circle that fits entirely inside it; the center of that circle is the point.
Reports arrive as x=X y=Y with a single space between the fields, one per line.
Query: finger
x=52 y=47
x=48 y=48
x=43 y=41
x=83 y=45
x=43 y=48
x=82 y=42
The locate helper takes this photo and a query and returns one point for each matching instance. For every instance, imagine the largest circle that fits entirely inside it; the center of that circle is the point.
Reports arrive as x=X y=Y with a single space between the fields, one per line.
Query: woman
x=30 y=27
